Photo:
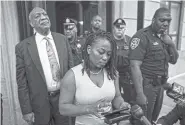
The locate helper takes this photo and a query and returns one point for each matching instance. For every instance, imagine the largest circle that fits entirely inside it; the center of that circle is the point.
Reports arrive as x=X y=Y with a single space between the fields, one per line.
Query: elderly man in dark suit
x=41 y=62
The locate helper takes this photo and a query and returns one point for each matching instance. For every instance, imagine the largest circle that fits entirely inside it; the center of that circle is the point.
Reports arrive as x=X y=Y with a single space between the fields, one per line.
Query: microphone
x=116 y=116
x=175 y=91
x=168 y=86
x=175 y=87
x=137 y=113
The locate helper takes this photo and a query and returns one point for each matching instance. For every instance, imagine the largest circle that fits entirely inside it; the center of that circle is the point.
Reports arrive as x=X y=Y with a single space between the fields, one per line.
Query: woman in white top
x=91 y=88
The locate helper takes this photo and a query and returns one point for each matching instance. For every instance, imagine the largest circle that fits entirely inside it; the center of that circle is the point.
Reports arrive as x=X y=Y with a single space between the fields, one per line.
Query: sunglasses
x=69 y=27
x=120 y=26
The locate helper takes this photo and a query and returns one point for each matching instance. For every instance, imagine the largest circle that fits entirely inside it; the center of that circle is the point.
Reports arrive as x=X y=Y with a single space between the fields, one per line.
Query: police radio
x=116 y=116
x=125 y=114
x=175 y=91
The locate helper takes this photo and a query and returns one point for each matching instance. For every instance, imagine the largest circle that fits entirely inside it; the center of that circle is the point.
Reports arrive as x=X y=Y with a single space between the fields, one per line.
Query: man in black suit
x=41 y=62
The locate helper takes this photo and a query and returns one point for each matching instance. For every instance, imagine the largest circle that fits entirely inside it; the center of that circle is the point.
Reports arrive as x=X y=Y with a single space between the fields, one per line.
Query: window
x=175 y=9
x=174 y=26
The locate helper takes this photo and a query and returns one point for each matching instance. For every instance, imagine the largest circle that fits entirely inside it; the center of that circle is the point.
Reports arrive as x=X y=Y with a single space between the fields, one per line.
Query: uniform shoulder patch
x=134 y=43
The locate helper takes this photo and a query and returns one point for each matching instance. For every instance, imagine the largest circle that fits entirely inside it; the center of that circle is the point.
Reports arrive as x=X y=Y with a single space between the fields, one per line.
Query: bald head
x=160 y=11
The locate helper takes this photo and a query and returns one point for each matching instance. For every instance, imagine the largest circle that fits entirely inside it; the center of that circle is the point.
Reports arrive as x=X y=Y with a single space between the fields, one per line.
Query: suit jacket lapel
x=58 y=48
x=32 y=47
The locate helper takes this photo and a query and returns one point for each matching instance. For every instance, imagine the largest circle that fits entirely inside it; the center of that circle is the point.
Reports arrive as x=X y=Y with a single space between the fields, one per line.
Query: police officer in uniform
x=76 y=43
x=122 y=41
x=177 y=113
x=96 y=24
x=151 y=49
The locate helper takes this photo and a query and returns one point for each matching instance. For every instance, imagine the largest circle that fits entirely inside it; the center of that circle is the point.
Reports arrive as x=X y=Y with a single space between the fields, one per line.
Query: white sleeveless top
x=88 y=93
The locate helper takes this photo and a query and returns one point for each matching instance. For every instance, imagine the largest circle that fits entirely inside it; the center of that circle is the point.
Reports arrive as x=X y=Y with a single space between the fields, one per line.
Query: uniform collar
x=153 y=32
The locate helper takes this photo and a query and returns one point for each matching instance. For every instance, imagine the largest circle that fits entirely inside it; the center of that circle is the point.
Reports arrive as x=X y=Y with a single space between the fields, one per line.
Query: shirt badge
x=67 y=20
x=78 y=45
x=126 y=47
x=134 y=43
x=119 y=21
x=155 y=43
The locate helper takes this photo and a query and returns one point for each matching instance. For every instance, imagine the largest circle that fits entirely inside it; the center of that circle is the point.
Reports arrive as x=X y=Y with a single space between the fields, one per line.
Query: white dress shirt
x=41 y=46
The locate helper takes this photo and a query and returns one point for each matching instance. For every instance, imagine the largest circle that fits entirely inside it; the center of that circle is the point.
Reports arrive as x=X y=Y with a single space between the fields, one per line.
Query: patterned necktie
x=55 y=70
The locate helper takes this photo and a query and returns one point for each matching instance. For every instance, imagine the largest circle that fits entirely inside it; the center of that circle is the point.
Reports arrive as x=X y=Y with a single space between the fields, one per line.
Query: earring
x=88 y=51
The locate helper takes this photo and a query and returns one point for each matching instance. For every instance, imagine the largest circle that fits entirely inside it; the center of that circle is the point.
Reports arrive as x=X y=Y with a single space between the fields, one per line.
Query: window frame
x=179 y=29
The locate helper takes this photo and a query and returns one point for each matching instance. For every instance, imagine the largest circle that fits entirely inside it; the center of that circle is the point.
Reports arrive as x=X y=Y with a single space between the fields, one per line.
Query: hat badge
x=67 y=20
x=119 y=21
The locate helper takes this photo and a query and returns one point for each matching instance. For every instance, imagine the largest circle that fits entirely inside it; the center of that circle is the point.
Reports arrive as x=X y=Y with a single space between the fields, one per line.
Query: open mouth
x=44 y=22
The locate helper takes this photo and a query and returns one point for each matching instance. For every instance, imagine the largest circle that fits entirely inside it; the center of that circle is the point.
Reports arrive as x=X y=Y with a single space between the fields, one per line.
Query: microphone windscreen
x=167 y=86
x=135 y=108
x=136 y=111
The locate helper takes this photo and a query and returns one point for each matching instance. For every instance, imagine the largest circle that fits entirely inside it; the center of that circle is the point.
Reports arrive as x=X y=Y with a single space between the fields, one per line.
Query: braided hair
x=110 y=66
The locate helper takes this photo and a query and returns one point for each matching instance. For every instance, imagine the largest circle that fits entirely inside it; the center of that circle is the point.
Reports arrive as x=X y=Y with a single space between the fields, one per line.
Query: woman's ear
x=153 y=20
x=88 y=49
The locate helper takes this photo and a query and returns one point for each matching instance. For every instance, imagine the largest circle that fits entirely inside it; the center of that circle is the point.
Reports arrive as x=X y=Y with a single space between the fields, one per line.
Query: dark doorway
x=65 y=9
x=79 y=10
x=90 y=9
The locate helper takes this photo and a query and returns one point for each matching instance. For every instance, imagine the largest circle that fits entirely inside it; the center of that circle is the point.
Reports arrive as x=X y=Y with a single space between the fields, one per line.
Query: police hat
x=69 y=23
x=119 y=23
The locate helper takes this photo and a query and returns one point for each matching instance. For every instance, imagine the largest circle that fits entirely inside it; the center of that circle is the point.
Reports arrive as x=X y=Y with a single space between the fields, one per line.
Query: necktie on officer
x=55 y=69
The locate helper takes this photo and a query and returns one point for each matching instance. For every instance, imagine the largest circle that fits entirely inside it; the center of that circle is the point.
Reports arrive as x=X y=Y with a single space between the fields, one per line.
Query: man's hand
x=125 y=122
x=29 y=118
x=124 y=105
x=141 y=99
x=166 y=39
x=181 y=103
x=98 y=107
